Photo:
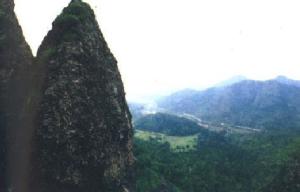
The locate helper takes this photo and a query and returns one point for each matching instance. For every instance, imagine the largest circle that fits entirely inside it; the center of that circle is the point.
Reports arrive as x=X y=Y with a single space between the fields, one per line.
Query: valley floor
x=177 y=143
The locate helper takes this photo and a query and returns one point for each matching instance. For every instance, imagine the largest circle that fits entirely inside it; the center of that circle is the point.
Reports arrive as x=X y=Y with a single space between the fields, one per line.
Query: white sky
x=162 y=45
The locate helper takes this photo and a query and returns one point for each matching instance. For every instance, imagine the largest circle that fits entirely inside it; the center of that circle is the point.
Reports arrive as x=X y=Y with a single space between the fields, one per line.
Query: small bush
x=67 y=21
x=79 y=10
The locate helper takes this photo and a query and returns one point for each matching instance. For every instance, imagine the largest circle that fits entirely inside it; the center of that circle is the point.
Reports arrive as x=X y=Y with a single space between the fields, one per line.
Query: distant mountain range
x=260 y=104
x=190 y=92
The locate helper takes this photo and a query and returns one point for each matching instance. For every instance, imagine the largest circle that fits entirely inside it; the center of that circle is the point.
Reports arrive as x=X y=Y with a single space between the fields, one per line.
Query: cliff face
x=64 y=122
x=84 y=131
x=15 y=62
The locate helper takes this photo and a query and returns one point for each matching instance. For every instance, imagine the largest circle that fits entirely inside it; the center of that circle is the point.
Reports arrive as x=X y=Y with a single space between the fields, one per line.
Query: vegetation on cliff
x=64 y=121
x=83 y=111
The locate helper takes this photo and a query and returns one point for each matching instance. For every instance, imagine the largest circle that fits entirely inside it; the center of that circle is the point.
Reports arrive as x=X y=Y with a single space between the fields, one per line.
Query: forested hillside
x=257 y=163
x=258 y=104
x=168 y=124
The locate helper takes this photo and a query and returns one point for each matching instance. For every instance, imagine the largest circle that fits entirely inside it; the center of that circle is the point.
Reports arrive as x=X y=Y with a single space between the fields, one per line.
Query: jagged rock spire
x=84 y=131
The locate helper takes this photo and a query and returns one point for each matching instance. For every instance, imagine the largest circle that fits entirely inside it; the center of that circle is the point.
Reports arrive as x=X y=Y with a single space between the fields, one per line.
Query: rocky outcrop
x=84 y=134
x=15 y=62
x=64 y=122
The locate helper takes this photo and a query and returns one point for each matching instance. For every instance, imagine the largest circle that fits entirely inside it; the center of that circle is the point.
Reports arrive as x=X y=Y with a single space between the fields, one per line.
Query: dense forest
x=237 y=163
x=246 y=138
x=168 y=124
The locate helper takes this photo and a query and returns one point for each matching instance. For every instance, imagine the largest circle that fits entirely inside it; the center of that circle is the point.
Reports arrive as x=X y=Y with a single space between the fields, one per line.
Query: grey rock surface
x=84 y=131
x=64 y=121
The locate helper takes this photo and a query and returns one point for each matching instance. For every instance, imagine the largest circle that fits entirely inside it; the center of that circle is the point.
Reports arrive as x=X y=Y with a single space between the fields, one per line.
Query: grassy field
x=184 y=143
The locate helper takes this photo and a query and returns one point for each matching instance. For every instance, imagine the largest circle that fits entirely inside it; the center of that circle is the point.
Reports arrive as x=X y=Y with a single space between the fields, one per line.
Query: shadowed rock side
x=84 y=132
x=15 y=62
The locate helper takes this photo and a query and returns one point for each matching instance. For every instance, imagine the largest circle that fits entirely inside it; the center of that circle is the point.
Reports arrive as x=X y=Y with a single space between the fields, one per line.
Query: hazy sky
x=162 y=45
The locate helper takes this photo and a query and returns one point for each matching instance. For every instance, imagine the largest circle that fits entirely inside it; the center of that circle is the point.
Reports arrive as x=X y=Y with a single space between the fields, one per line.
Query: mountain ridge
x=242 y=103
